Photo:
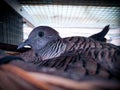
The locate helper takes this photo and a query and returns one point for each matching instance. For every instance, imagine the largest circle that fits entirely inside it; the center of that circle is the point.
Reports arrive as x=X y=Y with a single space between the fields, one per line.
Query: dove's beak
x=26 y=43
x=21 y=45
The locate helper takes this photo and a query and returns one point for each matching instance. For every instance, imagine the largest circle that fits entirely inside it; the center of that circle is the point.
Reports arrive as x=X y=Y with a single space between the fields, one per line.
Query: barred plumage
x=77 y=65
x=97 y=61
x=86 y=58
x=68 y=64
x=102 y=53
x=30 y=54
x=47 y=43
x=53 y=49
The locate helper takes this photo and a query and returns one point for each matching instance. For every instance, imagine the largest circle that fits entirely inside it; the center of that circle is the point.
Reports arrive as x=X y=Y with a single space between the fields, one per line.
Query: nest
x=14 y=78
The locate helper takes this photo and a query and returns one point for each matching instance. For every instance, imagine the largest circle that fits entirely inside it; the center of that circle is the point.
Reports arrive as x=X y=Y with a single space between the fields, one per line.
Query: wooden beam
x=9 y=47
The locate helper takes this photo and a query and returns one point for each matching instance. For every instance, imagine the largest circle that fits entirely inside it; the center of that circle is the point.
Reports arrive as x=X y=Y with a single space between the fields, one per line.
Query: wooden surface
x=9 y=47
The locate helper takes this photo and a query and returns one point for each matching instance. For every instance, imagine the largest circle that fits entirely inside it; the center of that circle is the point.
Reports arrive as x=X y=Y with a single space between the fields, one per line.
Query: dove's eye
x=41 y=34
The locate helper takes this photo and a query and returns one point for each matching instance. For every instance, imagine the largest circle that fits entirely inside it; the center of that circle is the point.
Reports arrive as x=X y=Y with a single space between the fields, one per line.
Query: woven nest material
x=14 y=78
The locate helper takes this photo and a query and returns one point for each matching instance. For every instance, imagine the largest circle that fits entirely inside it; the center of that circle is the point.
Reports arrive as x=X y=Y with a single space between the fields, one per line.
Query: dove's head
x=39 y=37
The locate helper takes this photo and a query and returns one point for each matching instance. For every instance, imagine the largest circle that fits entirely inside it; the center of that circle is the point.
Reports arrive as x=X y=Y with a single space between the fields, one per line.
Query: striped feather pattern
x=102 y=53
x=53 y=49
x=72 y=44
x=78 y=64
x=50 y=45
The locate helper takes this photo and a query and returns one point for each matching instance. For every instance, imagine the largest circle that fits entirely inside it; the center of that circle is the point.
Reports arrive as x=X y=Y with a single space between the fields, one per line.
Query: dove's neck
x=52 y=49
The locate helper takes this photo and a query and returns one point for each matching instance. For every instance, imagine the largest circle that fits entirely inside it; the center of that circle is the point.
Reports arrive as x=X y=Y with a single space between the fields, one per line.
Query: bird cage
x=11 y=25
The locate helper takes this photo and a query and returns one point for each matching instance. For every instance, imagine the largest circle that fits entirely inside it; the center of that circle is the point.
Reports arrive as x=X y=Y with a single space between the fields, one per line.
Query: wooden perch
x=9 y=47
